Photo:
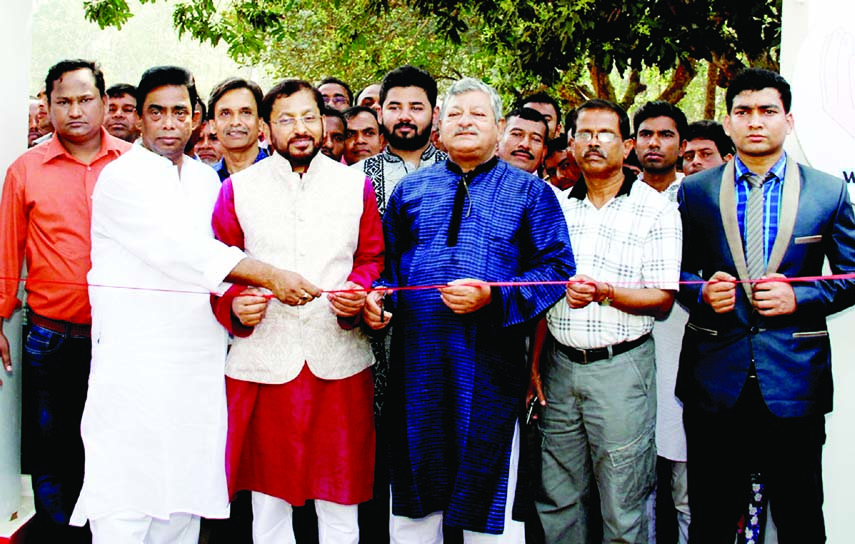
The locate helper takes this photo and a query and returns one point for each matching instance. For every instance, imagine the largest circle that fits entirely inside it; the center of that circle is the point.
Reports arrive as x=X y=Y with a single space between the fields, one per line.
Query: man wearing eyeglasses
x=336 y=93
x=598 y=389
x=299 y=386
x=233 y=109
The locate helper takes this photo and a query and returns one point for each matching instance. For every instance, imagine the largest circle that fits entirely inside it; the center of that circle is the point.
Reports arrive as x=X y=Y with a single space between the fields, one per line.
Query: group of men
x=396 y=310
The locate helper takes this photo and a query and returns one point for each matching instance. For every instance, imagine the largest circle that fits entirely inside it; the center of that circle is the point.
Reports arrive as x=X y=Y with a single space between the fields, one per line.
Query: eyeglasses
x=288 y=122
x=337 y=100
x=586 y=136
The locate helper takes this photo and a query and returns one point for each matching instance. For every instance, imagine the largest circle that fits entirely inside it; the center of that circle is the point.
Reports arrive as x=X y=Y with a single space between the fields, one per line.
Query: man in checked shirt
x=598 y=389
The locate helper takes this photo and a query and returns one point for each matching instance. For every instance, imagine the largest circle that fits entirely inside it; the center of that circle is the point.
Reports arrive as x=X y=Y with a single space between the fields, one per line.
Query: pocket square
x=809 y=239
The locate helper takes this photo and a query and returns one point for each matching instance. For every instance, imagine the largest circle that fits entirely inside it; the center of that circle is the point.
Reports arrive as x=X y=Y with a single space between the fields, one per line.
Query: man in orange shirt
x=45 y=215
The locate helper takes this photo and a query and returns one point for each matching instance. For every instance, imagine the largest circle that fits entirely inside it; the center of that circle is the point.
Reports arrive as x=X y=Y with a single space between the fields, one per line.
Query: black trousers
x=725 y=448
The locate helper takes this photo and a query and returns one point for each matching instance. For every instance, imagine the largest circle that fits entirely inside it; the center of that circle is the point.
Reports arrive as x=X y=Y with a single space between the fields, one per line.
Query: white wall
x=818 y=59
x=15 y=42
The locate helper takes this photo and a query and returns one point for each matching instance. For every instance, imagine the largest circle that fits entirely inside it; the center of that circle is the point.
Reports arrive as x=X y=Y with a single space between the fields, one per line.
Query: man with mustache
x=458 y=369
x=407 y=101
x=208 y=148
x=298 y=376
x=364 y=138
x=523 y=143
x=334 y=134
x=233 y=109
x=121 y=118
x=596 y=379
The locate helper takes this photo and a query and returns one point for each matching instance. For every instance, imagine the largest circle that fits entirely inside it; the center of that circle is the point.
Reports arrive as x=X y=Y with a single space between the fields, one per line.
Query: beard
x=415 y=140
x=297 y=157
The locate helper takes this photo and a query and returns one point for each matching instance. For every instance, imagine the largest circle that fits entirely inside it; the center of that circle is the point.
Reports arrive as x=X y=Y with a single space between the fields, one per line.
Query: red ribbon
x=800 y=279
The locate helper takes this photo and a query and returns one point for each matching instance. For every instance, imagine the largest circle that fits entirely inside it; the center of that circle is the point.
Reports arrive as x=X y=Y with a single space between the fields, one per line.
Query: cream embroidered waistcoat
x=308 y=225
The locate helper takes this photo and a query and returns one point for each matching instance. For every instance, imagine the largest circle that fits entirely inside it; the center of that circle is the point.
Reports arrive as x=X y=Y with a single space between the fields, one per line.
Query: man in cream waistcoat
x=299 y=387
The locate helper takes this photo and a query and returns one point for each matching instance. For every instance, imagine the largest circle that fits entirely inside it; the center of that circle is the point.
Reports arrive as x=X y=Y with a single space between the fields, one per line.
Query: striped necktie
x=754 y=243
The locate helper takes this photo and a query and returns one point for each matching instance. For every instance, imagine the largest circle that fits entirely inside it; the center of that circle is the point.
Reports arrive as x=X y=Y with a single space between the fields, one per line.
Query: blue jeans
x=598 y=426
x=55 y=382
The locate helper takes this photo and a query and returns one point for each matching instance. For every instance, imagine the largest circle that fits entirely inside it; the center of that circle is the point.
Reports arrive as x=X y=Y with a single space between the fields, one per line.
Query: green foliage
x=109 y=12
x=556 y=35
x=577 y=49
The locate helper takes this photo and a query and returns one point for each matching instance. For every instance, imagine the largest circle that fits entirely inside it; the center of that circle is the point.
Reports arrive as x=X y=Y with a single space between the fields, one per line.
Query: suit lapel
x=786 y=215
x=730 y=223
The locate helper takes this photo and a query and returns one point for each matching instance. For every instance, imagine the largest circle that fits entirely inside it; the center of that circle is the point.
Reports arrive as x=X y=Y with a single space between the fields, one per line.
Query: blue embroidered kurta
x=456 y=381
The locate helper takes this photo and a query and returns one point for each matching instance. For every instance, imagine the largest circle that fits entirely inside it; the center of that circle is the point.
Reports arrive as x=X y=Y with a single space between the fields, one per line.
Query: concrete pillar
x=15 y=41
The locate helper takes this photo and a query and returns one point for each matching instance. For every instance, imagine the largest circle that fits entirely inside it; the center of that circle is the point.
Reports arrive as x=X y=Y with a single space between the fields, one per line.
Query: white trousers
x=271 y=521
x=136 y=528
x=428 y=530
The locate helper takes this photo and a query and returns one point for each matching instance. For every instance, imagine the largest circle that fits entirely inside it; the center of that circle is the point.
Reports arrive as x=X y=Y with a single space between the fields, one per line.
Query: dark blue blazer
x=791 y=353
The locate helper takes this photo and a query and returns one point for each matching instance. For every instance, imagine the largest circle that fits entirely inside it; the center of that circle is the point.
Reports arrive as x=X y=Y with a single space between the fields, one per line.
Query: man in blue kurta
x=458 y=361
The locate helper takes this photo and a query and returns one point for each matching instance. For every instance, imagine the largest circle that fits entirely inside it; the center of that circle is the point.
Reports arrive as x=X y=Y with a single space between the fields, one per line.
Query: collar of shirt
x=223 y=170
x=778 y=170
x=480 y=169
x=390 y=156
x=109 y=145
x=580 y=189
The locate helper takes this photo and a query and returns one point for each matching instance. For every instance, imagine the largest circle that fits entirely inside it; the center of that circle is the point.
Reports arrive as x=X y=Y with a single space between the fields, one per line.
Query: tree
x=557 y=36
x=355 y=41
x=578 y=49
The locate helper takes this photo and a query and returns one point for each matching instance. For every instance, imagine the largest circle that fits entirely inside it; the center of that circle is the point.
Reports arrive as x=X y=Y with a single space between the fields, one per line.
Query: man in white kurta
x=154 y=425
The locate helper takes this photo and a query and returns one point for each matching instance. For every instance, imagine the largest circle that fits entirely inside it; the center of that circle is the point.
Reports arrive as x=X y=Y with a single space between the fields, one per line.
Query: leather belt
x=585 y=356
x=60 y=327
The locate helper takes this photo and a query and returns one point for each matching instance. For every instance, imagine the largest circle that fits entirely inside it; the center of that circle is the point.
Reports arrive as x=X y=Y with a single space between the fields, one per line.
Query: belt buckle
x=584 y=356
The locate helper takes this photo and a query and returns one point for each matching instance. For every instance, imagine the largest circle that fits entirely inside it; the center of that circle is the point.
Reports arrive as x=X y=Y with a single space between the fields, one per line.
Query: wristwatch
x=609 y=297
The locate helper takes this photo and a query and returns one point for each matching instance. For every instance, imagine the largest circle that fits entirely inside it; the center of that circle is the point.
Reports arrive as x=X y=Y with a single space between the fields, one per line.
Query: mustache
x=405 y=124
x=523 y=152
x=596 y=151
x=467 y=130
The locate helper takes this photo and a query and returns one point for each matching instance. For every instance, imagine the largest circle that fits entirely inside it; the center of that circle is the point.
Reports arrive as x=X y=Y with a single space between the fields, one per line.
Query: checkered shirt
x=634 y=241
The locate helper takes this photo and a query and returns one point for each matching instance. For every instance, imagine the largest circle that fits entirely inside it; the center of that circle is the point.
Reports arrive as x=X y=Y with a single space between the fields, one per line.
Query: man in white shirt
x=659 y=142
x=154 y=424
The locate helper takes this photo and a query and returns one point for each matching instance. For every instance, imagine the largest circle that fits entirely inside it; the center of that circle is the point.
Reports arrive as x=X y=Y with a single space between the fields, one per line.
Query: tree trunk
x=633 y=89
x=603 y=87
x=709 y=98
x=680 y=79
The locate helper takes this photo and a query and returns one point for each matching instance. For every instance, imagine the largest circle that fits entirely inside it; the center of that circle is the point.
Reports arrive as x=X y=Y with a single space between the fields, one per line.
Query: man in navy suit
x=755 y=369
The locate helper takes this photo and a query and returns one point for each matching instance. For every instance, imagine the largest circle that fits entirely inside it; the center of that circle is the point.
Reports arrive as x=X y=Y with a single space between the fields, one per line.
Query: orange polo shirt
x=45 y=217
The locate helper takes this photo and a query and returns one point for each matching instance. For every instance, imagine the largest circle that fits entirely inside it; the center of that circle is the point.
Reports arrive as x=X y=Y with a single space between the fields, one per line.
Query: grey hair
x=469 y=84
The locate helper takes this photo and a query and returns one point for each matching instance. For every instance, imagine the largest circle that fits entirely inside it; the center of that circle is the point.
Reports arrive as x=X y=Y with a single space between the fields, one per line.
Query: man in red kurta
x=299 y=385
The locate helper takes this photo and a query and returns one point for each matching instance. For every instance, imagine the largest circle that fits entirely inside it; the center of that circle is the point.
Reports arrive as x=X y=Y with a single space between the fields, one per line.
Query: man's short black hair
x=660 y=108
x=64 y=66
x=121 y=89
x=710 y=130
x=328 y=111
x=559 y=143
x=530 y=114
x=542 y=97
x=350 y=113
x=337 y=81
x=284 y=89
x=757 y=79
x=202 y=108
x=160 y=76
x=409 y=76
x=570 y=121
x=608 y=105
x=230 y=84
